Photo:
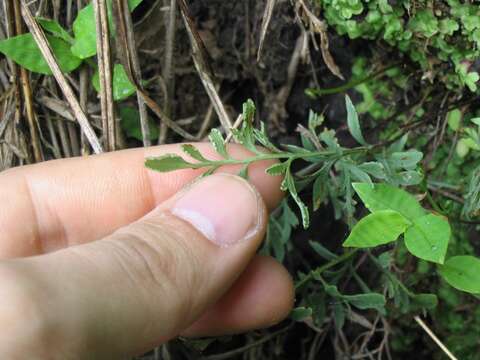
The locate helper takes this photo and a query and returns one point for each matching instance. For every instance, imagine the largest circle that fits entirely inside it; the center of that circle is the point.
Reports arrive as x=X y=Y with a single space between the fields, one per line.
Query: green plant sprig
x=320 y=149
x=171 y=162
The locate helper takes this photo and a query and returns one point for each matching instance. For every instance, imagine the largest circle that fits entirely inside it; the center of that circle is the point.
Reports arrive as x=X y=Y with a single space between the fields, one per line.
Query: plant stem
x=276 y=156
x=318 y=271
x=351 y=84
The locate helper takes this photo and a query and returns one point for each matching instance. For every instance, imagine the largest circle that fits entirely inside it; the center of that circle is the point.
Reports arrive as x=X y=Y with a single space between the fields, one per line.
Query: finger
x=61 y=203
x=148 y=281
x=261 y=297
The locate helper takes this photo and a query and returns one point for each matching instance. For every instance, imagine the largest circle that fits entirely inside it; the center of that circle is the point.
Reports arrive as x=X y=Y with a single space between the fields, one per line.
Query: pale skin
x=102 y=258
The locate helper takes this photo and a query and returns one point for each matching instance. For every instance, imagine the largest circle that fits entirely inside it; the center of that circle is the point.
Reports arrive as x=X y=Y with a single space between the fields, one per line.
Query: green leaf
x=448 y=26
x=387 y=197
x=406 y=159
x=218 y=143
x=262 y=138
x=463 y=273
x=425 y=301
x=168 y=163
x=339 y=314
x=476 y=121
x=424 y=22
x=277 y=169
x=130 y=123
x=381 y=227
x=24 y=51
x=301 y=313
x=322 y=251
x=471 y=80
x=122 y=87
x=248 y=111
x=454 y=118
x=314 y=121
x=55 y=29
x=366 y=301
x=358 y=174
x=428 y=238
x=353 y=123
x=408 y=178
x=193 y=152
x=290 y=185
x=243 y=173
x=320 y=192
x=375 y=169
x=85 y=31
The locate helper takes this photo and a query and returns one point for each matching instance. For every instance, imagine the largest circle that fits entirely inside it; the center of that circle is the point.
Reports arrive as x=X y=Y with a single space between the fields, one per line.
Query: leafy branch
x=320 y=149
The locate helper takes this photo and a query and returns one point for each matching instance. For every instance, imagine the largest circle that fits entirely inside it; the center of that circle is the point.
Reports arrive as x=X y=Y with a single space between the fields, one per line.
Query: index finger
x=61 y=203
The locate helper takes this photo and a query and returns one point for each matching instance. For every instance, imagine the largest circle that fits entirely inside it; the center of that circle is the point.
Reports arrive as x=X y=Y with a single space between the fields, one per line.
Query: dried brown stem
x=105 y=73
x=267 y=17
x=168 y=73
x=200 y=59
x=129 y=58
x=27 y=94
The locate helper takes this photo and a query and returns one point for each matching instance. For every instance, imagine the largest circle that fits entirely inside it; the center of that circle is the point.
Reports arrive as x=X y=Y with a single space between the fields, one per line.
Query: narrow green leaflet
x=375 y=169
x=301 y=313
x=243 y=173
x=248 y=111
x=55 y=29
x=277 y=169
x=322 y=251
x=463 y=273
x=424 y=301
x=381 y=227
x=454 y=119
x=367 y=301
x=24 y=51
x=428 y=238
x=339 y=314
x=193 y=152
x=353 y=123
x=122 y=87
x=130 y=123
x=218 y=143
x=358 y=174
x=169 y=162
x=405 y=159
x=387 y=197
x=85 y=31
x=290 y=185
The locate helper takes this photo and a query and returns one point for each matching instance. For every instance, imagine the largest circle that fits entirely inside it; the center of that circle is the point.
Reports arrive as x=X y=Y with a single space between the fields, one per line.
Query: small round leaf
x=463 y=273
x=428 y=238
x=376 y=229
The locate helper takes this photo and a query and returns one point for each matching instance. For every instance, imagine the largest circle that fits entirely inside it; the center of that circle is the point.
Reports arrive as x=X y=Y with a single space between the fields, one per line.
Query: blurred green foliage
x=443 y=37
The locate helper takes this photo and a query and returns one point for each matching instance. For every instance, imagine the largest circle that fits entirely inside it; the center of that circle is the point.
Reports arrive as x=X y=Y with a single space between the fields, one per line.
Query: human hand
x=102 y=258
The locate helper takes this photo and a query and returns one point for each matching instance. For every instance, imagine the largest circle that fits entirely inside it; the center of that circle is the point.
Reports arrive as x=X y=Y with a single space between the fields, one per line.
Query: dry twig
x=168 y=73
x=204 y=70
x=105 y=73
x=27 y=94
x=267 y=17
x=434 y=337
x=129 y=58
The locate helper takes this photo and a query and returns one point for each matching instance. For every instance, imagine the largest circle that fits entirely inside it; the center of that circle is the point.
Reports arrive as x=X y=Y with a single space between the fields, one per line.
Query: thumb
x=152 y=279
